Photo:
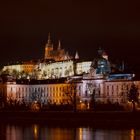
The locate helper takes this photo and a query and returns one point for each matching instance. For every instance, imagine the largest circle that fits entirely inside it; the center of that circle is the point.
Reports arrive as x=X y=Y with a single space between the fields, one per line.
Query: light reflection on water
x=39 y=132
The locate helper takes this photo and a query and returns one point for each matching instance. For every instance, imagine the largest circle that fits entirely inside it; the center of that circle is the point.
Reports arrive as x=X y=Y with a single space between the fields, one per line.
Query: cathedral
x=58 y=54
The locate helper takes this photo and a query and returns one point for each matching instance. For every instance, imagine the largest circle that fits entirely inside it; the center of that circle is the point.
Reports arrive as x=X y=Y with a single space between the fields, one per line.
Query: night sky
x=81 y=25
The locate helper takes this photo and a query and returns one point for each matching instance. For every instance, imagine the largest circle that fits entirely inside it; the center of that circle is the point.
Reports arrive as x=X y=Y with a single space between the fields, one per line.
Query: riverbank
x=96 y=119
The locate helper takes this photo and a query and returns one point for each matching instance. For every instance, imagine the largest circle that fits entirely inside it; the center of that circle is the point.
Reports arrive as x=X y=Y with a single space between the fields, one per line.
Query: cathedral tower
x=48 y=49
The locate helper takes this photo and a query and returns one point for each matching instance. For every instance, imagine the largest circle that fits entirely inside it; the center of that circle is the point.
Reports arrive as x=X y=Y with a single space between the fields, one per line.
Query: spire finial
x=59 y=45
x=100 y=50
x=49 y=38
x=76 y=55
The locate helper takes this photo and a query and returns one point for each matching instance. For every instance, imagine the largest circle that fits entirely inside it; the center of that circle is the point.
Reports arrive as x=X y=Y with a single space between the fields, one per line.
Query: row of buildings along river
x=59 y=77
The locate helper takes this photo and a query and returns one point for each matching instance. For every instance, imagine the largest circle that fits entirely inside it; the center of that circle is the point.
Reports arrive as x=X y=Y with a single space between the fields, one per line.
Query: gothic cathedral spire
x=49 y=38
x=48 y=48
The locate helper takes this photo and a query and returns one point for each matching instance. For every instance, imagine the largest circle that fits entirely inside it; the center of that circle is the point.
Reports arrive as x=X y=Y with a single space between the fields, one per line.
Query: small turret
x=76 y=55
x=104 y=55
x=100 y=51
x=49 y=39
x=59 y=45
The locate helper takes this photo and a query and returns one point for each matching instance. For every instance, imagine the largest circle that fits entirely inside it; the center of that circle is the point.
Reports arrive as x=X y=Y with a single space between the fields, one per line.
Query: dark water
x=44 y=132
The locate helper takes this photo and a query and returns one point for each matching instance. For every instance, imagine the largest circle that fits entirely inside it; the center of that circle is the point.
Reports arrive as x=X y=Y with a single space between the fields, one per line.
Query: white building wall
x=108 y=91
x=83 y=67
x=48 y=93
x=116 y=91
x=58 y=69
x=105 y=91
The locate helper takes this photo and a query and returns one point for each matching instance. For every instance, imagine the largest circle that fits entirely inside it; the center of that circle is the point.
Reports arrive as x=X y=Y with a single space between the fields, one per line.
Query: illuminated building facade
x=83 y=78
x=27 y=67
x=56 y=93
x=114 y=92
x=61 y=69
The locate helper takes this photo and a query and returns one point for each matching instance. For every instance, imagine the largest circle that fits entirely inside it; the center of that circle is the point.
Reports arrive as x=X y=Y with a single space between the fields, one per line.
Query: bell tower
x=48 y=48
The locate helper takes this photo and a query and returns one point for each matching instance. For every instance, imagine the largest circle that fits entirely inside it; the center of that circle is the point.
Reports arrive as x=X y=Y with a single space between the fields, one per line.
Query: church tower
x=48 y=49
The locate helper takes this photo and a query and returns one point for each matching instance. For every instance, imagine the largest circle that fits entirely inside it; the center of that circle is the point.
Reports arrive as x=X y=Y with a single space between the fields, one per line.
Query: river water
x=44 y=132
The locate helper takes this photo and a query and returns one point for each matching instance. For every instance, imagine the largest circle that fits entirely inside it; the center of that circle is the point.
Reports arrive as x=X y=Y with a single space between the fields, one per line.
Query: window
x=117 y=89
x=99 y=92
x=107 y=93
x=16 y=95
x=86 y=93
x=107 y=87
x=39 y=89
x=112 y=88
x=122 y=87
x=107 y=90
x=19 y=95
x=35 y=89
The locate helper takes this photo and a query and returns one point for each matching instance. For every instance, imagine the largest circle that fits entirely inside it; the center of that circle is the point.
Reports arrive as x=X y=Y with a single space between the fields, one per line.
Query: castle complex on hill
x=51 y=81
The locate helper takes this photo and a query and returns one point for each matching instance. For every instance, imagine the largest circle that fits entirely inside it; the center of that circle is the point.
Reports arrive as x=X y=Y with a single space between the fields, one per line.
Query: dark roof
x=48 y=81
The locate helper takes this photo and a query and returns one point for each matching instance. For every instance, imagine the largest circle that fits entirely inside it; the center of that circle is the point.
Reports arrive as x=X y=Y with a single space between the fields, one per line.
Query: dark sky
x=81 y=25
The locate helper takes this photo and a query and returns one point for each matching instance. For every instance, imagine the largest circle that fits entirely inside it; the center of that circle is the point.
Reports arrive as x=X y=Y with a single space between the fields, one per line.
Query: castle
x=51 y=81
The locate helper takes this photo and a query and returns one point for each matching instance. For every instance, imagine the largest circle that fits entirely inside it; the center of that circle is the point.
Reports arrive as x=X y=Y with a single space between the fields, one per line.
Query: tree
x=73 y=98
x=133 y=95
x=2 y=100
x=36 y=100
x=36 y=96
x=91 y=90
x=92 y=101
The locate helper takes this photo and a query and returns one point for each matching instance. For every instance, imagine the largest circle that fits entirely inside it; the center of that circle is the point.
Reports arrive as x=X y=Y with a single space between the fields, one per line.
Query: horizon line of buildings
x=98 y=76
